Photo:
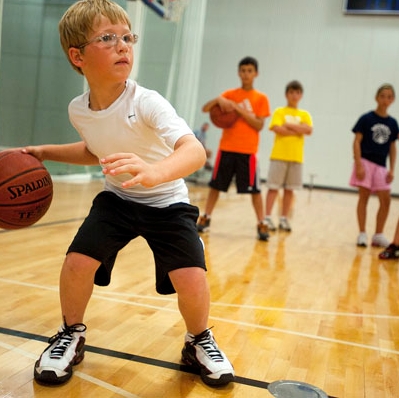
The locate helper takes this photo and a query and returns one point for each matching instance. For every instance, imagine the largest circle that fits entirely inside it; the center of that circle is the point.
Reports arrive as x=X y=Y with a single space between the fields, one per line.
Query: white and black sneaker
x=362 y=239
x=270 y=224
x=391 y=252
x=284 y=225
x=202 y=353
x=65 y=350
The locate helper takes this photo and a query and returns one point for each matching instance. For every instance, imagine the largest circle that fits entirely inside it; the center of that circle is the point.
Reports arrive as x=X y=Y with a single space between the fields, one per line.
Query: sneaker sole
x=378 y=245
x=49 y=377
x=387 y=257
x=223 y=380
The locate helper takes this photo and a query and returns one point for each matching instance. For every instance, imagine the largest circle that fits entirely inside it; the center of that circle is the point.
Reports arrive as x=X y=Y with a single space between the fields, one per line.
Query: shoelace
x=64 y=338
x=206 y=341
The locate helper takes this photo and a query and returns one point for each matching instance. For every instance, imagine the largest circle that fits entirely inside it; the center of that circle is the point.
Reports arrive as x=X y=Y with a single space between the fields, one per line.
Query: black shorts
x=170 y=232
x=244 y=167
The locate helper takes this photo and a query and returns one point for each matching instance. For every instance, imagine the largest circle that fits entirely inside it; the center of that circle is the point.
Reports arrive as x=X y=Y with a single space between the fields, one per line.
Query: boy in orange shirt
x=238 y=147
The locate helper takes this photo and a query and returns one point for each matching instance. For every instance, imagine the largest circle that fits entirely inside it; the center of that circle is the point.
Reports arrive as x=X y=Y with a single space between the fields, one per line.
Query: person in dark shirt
x=375 y=135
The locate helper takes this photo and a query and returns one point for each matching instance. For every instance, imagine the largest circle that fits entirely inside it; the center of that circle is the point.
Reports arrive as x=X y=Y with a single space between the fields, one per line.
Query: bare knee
x=189 y=281
x=80 y=264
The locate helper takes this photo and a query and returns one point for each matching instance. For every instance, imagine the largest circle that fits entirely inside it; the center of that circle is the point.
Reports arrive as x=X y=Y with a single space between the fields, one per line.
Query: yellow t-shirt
x=289 y=148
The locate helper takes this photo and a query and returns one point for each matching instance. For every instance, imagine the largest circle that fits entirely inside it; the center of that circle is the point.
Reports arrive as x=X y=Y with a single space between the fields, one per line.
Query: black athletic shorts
x=244 y=167
x=170 y=232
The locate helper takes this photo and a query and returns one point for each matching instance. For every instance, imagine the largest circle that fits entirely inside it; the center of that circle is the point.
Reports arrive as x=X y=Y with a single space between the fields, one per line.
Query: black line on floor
x=46 y=224
x=137 y=358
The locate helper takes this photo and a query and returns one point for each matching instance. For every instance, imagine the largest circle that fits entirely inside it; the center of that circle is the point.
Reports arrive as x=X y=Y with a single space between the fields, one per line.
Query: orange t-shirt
x=241 y=137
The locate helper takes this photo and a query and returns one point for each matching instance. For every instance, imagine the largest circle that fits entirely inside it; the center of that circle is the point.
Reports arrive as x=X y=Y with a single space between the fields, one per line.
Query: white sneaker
x=379 y=240
x=269 y=223
x=284 y=225
x=362 y=239
x=65 y=350
x=202 y=353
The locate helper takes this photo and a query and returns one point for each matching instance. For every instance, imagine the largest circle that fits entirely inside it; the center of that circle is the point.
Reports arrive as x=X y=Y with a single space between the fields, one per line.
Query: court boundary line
x=45 y=224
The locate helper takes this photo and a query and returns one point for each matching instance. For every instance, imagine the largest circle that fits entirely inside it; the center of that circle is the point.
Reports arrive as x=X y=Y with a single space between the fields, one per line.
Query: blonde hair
x=385 y=86
x=80 y=19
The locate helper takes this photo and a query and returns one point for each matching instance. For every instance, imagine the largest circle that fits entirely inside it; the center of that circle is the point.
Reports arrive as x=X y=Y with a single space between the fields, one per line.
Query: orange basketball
x=221 y=119
x=26 y=190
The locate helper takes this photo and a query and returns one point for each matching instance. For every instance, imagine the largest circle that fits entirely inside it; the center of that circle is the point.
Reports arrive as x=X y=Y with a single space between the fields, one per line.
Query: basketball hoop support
x=171 y=10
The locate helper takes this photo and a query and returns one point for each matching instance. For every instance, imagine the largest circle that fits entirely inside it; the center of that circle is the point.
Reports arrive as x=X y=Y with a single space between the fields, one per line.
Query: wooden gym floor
x=307 y=306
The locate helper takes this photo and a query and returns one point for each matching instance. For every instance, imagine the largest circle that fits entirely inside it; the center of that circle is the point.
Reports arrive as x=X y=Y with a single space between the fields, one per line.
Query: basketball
x=221 y=119
x=26 y=190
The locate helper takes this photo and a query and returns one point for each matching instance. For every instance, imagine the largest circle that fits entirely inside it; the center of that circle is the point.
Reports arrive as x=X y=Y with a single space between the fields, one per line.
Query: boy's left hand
x=121 y=163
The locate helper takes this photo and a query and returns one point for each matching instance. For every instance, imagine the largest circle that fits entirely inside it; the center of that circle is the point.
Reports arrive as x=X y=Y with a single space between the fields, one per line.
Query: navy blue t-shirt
x=378 y=133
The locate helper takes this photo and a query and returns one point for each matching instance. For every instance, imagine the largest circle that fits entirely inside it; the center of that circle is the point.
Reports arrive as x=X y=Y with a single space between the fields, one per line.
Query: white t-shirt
x=142 y=122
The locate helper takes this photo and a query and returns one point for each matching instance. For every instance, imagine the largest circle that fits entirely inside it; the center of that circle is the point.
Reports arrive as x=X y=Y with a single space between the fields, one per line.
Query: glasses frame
x=113 y=42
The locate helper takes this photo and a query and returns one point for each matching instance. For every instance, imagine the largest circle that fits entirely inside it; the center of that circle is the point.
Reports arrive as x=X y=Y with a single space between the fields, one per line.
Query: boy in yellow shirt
x=290 y=126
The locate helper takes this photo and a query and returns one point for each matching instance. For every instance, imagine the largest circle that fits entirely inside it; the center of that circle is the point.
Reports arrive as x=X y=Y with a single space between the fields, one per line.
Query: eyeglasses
x=111 y=39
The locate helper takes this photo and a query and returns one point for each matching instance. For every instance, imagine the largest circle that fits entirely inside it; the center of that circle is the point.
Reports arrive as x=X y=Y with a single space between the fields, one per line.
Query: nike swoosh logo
x=130 y=116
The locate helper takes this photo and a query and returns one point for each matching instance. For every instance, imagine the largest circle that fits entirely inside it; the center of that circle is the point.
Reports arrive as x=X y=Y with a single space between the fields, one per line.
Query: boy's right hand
x=35 y=151
x=31 y=150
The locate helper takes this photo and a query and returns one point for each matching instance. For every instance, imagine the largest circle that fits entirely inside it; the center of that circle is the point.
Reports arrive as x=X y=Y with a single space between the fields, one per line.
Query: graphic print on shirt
x=292 y=119
x=381 y=133
x=246 y=104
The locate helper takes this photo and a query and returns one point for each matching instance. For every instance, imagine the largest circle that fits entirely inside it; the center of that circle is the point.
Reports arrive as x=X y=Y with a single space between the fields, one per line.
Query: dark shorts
x=170 y=232
x=244 y=167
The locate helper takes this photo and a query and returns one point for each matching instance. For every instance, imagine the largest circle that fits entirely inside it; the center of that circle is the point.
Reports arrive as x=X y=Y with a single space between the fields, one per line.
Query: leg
x=276 y=179
x=382 y=214
x=258 y=205
x=200 y=349
x=193 y=297
x=270 y=199
x=284 y=225
x=213 y=197
x=262 y=227
x=287 y=201
x=396 y=236
x=204 y=221
x=364 y=195
x=76 y=286
x=66 y=348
